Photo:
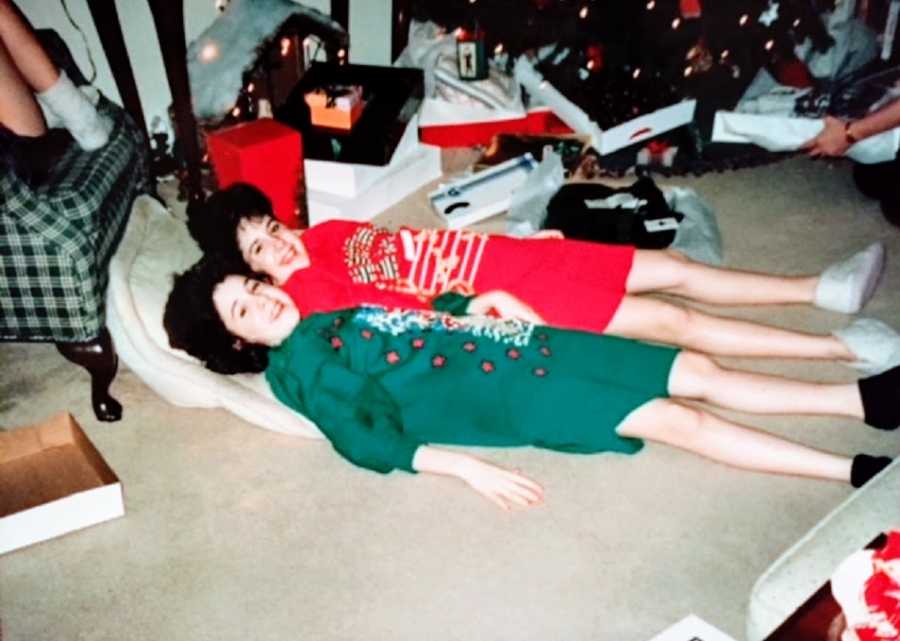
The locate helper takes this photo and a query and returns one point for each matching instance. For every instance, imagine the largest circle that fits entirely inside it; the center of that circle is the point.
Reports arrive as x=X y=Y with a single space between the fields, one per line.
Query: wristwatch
x=849 y=137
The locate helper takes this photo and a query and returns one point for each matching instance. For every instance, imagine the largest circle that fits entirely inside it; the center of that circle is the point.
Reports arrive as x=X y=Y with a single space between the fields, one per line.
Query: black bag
x=637 y=215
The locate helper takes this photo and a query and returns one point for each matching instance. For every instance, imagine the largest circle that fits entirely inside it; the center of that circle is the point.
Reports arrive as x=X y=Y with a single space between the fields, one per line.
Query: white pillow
x=155 y=247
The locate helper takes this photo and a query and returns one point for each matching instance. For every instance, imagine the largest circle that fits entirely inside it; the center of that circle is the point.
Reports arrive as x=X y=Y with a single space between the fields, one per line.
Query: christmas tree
x=617 y=60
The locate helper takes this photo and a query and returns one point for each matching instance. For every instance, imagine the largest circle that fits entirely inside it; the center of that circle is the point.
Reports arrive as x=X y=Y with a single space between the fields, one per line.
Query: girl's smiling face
x=254 y=311
x=270 y=248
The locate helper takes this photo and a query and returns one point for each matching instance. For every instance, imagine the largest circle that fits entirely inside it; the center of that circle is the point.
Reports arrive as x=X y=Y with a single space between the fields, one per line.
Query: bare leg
x=672 y=273
x=658 y=321
x=19 y=111
x=697 y=376
x=27 y=53
x=698 y=431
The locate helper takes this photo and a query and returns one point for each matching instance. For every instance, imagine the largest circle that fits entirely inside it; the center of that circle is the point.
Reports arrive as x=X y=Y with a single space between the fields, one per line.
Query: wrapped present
x=335 y=106
x=788 y=133
x=267 y=155
x=391 y=94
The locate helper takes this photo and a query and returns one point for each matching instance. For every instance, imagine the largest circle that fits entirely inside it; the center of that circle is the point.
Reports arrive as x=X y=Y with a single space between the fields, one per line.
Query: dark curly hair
x=214 y=223
x=194 y=325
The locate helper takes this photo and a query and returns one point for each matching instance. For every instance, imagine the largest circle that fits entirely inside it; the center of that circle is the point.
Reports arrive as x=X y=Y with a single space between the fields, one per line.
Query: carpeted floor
x=232 y=532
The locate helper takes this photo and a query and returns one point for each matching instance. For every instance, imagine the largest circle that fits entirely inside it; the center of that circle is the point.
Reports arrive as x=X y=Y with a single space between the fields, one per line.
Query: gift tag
x=661 y=224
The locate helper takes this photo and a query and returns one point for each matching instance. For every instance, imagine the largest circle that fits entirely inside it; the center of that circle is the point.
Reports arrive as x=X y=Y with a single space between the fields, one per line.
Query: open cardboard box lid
x=52 y=481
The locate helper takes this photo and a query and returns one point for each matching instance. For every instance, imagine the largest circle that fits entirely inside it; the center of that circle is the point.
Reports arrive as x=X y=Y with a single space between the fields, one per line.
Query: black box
x=392 y=96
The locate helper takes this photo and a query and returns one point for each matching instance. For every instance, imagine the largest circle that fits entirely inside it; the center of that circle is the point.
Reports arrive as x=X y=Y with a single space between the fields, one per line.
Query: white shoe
x=848 y=285
x=876 y=345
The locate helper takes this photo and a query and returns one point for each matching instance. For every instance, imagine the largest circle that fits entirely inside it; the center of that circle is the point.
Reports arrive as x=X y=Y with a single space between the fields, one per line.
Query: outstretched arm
x=837 y=136
x=505 y=305
x=505 y=488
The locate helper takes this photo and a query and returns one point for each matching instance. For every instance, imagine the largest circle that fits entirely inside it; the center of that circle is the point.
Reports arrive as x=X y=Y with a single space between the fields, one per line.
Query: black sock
x=865 y=467
x=879 y=395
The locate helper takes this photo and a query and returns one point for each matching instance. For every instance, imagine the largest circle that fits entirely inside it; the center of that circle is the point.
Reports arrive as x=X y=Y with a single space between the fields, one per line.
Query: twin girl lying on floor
x=393 y=341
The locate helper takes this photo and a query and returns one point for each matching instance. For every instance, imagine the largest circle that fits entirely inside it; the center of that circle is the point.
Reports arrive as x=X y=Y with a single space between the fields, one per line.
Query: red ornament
x=595 y=57
x=691 y=9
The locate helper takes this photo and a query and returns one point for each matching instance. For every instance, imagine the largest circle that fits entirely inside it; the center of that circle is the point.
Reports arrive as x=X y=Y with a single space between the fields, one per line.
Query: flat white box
x=406 y=175
x=53 y=481
x=605 y=141
x=646 y=126
x=485 y=193
x=349 y=180
x=783 y=133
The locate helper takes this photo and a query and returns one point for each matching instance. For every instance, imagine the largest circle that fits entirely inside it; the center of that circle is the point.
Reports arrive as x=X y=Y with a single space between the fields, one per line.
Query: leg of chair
x=99 y=358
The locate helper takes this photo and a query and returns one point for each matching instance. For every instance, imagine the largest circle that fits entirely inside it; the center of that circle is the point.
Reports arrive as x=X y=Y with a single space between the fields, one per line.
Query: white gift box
x=404 y=175
x=53 y=481
x=605 y=141
x=781 y=133
x=349 y=180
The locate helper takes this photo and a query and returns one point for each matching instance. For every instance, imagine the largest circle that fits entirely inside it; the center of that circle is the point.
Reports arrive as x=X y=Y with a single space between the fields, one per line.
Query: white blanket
x=155 y=247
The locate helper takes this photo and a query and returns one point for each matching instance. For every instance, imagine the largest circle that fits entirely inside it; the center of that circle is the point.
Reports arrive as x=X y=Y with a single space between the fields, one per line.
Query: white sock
x=876 y=345
x=847 y=286
x=68 y=106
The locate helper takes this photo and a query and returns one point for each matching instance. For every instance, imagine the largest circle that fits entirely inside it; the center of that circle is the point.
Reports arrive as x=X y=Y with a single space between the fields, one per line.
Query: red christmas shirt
x=572 y=284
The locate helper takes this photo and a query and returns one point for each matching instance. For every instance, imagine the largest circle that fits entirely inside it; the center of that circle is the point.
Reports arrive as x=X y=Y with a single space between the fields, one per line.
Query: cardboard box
x=392 y=96
x=447 y=124
x=405 y=176
x=349 y=180
x=605 y=141
x=52 y=481
x=485 y=193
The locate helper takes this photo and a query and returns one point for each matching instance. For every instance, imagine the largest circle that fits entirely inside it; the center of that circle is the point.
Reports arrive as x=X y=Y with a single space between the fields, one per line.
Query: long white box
x=605 y=141
x=53 y=481
x=784 y=133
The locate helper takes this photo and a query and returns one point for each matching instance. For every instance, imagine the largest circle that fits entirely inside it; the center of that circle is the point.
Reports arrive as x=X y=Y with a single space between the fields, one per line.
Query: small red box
x=267 y=155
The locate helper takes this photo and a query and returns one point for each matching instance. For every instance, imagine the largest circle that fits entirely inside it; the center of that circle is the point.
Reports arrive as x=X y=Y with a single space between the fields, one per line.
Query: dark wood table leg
x=168 y=16
x=99 y=358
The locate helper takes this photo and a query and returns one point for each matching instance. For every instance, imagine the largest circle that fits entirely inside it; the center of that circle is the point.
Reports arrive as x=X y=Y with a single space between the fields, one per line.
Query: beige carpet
x=232 y=532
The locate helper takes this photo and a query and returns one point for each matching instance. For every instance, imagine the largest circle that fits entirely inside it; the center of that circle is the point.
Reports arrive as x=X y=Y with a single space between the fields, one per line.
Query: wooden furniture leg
x=99 y=358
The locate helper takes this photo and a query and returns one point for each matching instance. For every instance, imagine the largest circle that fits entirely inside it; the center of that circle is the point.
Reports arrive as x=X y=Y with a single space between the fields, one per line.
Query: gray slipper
x=876 y=345
x=846 y=286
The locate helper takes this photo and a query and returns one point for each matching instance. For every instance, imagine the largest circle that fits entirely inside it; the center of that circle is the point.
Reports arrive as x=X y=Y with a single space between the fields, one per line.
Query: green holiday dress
x=380 y=383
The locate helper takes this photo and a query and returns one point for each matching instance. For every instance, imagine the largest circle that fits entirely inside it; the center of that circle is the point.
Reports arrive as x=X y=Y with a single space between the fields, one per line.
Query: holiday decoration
x=267 y=155
x=619 y=61
x=657 y=152
x=470 y=54
x=392 y=96
x=867 y=587
x=220 y=56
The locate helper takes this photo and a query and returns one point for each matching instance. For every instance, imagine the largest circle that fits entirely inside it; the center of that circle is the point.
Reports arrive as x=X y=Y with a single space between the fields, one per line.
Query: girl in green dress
x=384 y=385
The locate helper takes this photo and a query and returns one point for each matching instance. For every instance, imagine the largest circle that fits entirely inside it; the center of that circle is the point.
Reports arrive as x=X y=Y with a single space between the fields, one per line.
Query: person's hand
x=546 y=233
x=505 y=305
x=505 y=488
x=831 y=141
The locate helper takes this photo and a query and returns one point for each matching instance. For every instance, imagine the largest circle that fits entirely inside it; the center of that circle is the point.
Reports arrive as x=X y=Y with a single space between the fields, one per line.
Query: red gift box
x=267 y=155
